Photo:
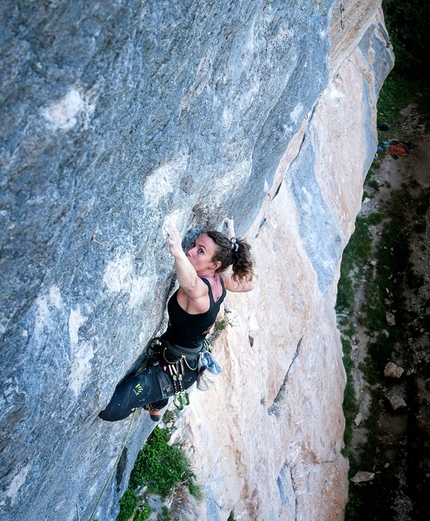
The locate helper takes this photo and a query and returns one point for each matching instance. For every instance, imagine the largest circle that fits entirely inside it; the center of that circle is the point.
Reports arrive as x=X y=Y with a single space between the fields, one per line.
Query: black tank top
x=189 y=330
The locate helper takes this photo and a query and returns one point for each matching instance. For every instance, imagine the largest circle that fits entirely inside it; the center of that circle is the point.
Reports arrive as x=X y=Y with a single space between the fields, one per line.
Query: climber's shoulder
x=236 y=286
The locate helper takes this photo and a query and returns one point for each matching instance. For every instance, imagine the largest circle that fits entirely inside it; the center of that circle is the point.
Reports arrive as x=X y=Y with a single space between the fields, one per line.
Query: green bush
x=164 y=516
x=143 y=514
x=160 y=466
x=128 y=504
x=408 y=24
x=375 y=218
x=196 y=491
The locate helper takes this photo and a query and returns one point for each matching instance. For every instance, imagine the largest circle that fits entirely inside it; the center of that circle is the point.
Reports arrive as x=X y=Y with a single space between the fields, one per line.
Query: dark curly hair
x=235 y=254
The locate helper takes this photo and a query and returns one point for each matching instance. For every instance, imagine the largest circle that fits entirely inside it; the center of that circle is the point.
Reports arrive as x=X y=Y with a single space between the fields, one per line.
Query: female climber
x=214 y=263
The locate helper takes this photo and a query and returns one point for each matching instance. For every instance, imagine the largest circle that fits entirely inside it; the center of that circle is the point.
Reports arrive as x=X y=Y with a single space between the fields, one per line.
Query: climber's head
x=203 y=254
x=232 y=252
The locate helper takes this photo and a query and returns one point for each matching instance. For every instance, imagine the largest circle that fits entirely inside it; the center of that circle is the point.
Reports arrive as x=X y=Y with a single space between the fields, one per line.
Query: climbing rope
x=114 y=467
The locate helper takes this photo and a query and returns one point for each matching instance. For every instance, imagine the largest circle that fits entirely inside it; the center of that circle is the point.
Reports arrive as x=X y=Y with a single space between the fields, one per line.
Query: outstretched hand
x=174 y=240
x=229 y=223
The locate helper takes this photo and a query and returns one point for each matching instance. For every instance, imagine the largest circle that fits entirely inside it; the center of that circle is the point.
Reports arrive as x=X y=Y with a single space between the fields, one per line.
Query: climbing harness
x=176 y=369
x=154 y=347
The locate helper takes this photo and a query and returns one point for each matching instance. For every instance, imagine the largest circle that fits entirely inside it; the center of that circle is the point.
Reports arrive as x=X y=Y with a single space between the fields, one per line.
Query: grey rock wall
x=115 y=118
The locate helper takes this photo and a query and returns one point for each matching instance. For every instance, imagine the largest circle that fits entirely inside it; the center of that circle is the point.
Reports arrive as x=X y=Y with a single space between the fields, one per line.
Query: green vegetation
x=128 y=504
x=384 y=286
x=143 y=514
x=354 y=259
x=159 y=467
x=195 y=490
x=221 y=324
x=350 y=406
x=408 y=26
x=164 y=516
x=382 y=270
x=396 y=93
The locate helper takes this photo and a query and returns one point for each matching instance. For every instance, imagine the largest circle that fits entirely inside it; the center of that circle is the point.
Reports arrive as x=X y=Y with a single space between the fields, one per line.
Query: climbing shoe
x=154 y=414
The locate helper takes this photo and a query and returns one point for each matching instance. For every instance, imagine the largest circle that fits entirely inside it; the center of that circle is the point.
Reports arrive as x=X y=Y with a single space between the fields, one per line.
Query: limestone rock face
x=286 y=388
x=120 y=117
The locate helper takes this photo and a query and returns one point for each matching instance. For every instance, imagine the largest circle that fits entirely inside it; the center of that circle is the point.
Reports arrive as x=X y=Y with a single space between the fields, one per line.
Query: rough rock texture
x=120 y=116
x=291 y=397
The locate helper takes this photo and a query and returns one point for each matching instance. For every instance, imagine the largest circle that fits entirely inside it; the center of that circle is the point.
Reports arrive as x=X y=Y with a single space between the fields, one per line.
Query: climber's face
x=201 y=254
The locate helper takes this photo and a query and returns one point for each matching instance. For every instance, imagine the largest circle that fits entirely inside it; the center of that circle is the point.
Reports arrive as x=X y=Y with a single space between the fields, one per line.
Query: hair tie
x=234 y=244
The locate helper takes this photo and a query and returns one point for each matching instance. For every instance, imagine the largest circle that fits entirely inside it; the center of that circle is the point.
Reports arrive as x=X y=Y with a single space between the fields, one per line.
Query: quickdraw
x=176 y=368
x=176 y=371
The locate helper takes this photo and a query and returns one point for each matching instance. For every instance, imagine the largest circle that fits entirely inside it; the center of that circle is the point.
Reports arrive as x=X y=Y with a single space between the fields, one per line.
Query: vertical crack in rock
x=274 y=409
x=121 y=468
x=286 y=491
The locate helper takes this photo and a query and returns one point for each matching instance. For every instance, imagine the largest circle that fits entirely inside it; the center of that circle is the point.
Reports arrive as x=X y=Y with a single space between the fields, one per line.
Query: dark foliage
x=408 y=25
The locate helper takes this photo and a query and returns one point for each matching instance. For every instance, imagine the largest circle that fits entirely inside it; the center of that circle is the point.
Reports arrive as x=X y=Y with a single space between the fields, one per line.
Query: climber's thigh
x=132 y=393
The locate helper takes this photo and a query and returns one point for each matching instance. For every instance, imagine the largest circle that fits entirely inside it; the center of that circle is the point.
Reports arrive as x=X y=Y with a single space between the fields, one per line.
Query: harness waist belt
x=191 y=353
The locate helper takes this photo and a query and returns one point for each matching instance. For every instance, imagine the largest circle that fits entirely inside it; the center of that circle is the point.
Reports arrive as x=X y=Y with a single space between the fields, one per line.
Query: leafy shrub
x=143 y=514
x=407 y=24
x=160 y=466
x=128 y=504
